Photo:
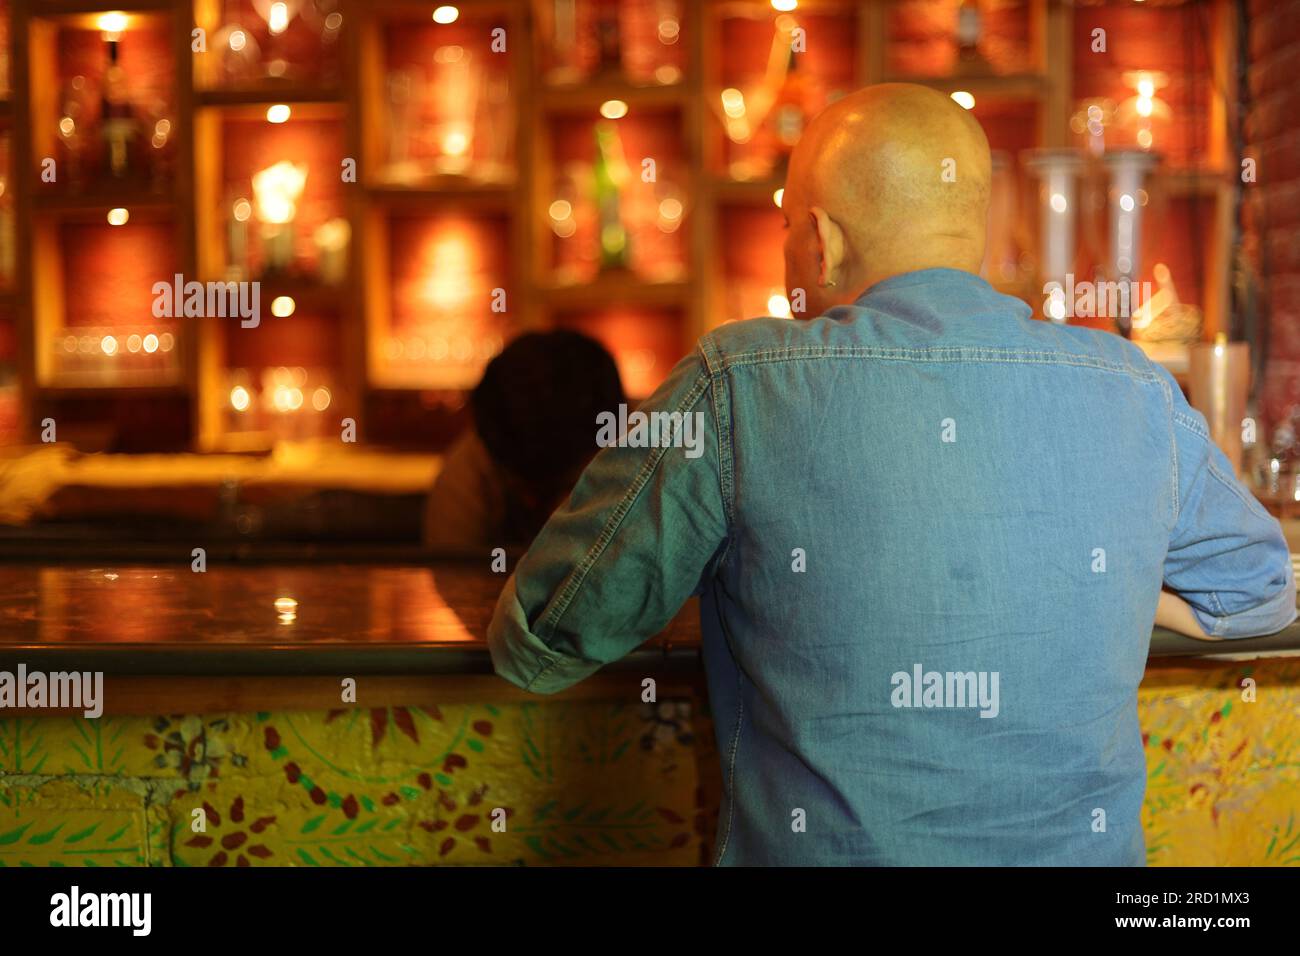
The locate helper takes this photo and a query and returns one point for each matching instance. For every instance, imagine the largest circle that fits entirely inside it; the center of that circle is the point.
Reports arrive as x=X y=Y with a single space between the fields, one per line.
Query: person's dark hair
x=535 y=408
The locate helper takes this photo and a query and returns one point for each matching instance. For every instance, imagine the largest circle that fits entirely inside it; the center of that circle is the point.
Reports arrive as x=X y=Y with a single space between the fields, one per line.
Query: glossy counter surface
x=317 y=619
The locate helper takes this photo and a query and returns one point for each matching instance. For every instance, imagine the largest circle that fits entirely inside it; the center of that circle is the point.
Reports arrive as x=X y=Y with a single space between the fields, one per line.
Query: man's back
x=929 y=630
x=929 y=534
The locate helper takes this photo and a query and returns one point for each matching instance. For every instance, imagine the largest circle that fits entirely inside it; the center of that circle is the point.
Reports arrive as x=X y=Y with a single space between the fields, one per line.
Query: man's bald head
x=889 y=179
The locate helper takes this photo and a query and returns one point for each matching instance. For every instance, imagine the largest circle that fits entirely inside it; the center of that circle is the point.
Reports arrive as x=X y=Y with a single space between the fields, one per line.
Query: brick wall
x=1272 y=207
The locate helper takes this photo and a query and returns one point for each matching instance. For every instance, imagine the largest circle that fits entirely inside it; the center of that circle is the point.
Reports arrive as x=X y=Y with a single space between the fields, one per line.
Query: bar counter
x=224 y=691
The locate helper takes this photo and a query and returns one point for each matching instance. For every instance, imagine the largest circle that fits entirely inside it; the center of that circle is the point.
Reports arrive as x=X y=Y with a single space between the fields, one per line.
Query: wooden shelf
x=87 y=206
x=749 y=191
x=268 y=95
x=1009 y=85
x=63 y=388
x=1189 y=182
x=616 y=290
x=589 y=96
x=448 y=192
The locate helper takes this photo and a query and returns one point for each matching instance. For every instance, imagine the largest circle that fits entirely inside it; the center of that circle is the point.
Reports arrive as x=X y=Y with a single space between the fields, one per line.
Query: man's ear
x=830 y=246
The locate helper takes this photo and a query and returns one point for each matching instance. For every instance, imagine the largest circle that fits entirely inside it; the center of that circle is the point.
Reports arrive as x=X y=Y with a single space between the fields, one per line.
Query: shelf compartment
x=259 y=46
x=252 y=223
x=104 y=125
x=440 y=98
x=94 y=303
x=434 y=276
x=280 y=379
x=774 y=72
x=601 y=218
x=631 y=42
x=924 y=38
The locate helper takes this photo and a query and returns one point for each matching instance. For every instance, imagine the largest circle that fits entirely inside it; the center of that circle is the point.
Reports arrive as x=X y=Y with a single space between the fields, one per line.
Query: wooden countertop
x=317 y=618
x=300 y=619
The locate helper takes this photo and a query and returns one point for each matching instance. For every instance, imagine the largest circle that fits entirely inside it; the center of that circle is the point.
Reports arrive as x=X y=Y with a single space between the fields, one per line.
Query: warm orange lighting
x=320 y=399
x=778 y=306
x=613 y=109
x=240 y=399
x=151 y=343
x=277 y=190
x=733 y=102
x=561 y=209
x=118 y=217
x=242 y=210
x=446 y=14
x=451 y=259
x=109 y=345
x=112 y=24
x=778 y=196
x=785 y=6
x=963 y=99
x=282 y=306
x=455 y=142
x=277 y=17
x=279 y=113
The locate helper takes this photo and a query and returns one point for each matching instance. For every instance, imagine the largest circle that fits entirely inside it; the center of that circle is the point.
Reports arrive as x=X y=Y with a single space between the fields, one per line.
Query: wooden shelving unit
x=717 y=260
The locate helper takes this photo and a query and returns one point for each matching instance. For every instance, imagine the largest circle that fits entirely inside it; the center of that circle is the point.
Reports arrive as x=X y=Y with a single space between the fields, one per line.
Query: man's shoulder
x=866 y=334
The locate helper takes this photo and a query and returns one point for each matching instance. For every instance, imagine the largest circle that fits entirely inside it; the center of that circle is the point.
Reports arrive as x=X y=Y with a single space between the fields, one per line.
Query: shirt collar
x=942 y=278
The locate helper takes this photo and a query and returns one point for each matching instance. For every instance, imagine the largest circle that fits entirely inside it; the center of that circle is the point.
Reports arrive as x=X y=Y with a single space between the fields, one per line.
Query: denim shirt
x=929 y=534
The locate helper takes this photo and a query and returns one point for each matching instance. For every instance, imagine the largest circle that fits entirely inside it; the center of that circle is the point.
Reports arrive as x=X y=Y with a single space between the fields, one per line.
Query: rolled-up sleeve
x=617 y=561
x=1227 y=556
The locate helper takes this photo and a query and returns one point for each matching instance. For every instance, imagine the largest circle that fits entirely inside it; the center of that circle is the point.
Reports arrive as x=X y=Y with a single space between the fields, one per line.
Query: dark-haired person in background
x=534 y=431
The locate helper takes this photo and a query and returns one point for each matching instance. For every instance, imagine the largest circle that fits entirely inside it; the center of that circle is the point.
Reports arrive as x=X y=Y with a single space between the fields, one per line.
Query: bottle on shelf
x=609 y=41
x=610 y=173
x=968 y=33
x=117 y=123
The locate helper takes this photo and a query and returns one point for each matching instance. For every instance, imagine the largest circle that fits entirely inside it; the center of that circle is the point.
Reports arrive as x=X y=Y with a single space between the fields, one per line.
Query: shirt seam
x=937 y=354
x=731 y=767
x=720 y=401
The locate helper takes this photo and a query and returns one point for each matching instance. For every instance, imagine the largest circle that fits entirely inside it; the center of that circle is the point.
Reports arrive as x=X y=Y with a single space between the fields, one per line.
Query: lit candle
x=276 y=191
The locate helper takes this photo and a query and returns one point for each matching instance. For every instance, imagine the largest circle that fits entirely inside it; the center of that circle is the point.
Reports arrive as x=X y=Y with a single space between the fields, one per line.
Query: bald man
x=930 y=534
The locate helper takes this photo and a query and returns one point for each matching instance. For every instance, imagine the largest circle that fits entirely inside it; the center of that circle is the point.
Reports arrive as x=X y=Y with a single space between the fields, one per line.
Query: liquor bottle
x=610 y=172
x=790 y=111
x=968 y=33
x=117 y=120
x=609 y=41
x=799 y=99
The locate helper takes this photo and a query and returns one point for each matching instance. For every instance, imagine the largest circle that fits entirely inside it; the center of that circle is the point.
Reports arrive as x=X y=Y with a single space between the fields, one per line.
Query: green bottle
x=610 y=170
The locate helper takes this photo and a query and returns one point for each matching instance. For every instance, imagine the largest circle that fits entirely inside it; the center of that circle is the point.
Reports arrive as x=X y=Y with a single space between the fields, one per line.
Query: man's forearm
x=1175 y=614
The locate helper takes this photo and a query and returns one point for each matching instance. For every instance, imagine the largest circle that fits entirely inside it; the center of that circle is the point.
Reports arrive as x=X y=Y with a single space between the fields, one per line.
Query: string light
x=279 y=113
x=118 y=217
x=613 y=109
x=446 y=14
x=963 y=99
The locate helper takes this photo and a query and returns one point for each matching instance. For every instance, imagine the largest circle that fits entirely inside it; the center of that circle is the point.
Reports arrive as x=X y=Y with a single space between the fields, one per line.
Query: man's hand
x=1174 y=613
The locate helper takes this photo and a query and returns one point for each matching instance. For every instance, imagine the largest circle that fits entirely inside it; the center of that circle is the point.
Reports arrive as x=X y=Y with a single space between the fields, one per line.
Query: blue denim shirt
x=929 y=534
